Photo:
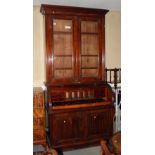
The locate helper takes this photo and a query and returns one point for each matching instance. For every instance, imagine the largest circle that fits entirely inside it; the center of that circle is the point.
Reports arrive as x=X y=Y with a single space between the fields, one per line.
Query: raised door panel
x=100 y=123
x=66 y=128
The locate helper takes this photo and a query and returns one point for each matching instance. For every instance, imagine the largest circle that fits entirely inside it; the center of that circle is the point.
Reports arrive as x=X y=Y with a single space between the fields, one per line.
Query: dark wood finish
x=38 y=117
x=80 y=127
x=79 y=102
x=80 y=33
x=79 y=114
x=70 y=10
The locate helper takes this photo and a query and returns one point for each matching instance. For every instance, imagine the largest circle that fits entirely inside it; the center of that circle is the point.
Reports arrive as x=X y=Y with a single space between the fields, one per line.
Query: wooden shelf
x=62 y=32
x=62 y=55
x=80 y=105
x=91 y=55
x=63 y=68
x=89 y=33
x=89 y=67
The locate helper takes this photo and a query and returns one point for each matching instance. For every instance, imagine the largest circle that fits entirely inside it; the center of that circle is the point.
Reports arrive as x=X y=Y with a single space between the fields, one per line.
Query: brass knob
x=64 y=121
x=94 y=117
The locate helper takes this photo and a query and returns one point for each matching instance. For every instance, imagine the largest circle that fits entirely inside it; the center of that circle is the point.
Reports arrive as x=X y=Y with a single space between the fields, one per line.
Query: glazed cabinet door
x=100 y=123
x=91 y=49
x=61 y=56
x=66 y=129
x=74 y=49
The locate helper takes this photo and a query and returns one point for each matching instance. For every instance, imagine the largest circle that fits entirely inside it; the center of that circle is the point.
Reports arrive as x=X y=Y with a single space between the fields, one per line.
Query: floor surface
x=86 y=151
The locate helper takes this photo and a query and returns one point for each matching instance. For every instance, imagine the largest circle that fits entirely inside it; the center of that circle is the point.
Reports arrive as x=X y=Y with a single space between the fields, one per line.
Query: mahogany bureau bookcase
x=79 y=102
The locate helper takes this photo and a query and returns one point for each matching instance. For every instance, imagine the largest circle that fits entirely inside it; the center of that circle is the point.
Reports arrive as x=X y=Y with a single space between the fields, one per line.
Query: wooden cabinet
x=79 y=101
x=74 y=128
x=38 y=117
x=99 y=122
x=66 y=128
x=75 y=46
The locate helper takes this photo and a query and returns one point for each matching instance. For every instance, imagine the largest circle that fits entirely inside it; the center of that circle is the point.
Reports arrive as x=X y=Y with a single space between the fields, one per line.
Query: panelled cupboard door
x=90 y=52
x=62 y=49
x=100 y=123
x=75 y=50
x=66 y=128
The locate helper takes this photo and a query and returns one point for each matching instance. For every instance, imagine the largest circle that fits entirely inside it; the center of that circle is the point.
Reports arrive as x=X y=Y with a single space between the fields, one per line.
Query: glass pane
x=62 y=25
x=89 y=44
x=63 y=62
x=59 y=74
x=89 y=48
x=63 y=44
x=89 y=72
x=89 y=26
x=62 y=48
x=89 y=61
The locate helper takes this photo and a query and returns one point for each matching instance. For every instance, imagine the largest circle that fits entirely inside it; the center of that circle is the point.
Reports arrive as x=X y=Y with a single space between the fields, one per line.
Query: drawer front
x=39 y=123
x=38 y=135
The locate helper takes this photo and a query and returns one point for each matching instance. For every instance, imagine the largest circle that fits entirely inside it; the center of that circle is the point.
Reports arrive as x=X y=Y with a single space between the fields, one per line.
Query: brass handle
x=64 y=121
x=94 y=117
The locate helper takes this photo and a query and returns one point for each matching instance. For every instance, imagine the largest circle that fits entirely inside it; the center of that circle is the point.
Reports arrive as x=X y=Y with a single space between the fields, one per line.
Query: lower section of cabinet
x=80 y=128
